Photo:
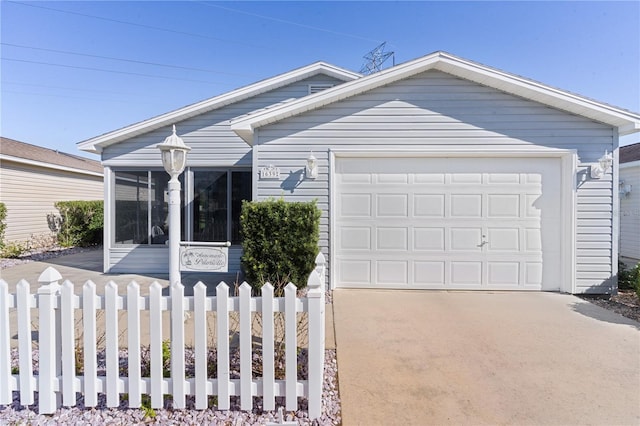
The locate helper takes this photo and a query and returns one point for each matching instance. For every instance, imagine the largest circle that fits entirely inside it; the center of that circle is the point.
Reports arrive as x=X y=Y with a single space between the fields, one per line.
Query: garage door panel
x=392 y=238
x=501 y=178
x=392 y=178
x=355 y=205
x=533 y=274
x=432 y=239
x=503 y=205
x=465 y=239
x=392 y=272
x=355 y=238
x=428 y=205
x=503 y=239
x=466 y=223
x=392 y=205
x=356 y=272
x=465 y=178
x=466 y=205
x=429 y=273
x=503 y=273
x=466 y=273
x=429 y=178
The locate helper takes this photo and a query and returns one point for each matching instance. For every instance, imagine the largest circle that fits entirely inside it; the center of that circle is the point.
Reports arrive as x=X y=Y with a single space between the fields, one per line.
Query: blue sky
x=74 y=70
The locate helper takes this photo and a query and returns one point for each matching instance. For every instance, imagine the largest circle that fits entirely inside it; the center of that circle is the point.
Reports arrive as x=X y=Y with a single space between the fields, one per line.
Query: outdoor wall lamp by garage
x=174 y=159
x=604 y=164
x=311 y=170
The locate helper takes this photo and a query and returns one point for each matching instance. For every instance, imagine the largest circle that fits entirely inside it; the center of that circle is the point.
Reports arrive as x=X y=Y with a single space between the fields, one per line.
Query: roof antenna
x=375 y=58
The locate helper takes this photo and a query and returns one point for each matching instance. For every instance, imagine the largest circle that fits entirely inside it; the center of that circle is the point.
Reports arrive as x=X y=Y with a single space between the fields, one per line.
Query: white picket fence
x=57 y=382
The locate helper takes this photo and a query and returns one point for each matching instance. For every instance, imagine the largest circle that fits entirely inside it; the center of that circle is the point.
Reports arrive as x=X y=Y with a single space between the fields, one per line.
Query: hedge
x=80 y=223
x=3 y=224
x=279 y=242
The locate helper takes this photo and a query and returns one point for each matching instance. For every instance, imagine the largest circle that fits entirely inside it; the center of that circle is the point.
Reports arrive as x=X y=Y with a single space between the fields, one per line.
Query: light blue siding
x=213 y=144
x=438 y=110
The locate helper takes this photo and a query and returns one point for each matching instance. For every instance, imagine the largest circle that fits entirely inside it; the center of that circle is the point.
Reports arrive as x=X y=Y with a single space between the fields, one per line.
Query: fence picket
x=291 y=352
x=222 y=296
x=67 y=335
x=177 y=346
x=268 y=359
x=200 y=331
x=5 y=346
x=111 y=343
x=25 y=344
x=246 y=376
x=90 y=361
x=133 y=334
x=155 y=344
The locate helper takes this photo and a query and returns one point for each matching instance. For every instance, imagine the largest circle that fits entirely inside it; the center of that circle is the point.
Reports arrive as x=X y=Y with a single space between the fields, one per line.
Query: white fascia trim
x=627 y=121
x=635 y=163
x=4 y=157
x=569 y=160
x=97 y=143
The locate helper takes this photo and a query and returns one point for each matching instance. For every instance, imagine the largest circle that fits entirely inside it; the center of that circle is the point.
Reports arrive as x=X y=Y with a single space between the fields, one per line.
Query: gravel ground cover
x=15 y=414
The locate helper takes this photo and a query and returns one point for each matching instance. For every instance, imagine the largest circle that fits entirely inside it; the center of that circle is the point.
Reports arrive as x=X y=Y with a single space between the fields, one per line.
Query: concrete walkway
x=429 y=357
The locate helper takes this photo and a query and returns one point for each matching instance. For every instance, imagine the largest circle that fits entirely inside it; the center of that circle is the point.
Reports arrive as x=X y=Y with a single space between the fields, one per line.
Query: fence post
x=315 y=295
x=5 y=345
x=49 y=341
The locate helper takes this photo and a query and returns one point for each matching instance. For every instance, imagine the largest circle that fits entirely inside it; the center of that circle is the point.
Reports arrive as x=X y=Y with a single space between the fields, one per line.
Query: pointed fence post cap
x=49 y=275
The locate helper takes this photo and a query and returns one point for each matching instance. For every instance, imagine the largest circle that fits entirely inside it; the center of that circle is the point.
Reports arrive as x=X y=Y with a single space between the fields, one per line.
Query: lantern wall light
x=602 y=167
x=311 y=169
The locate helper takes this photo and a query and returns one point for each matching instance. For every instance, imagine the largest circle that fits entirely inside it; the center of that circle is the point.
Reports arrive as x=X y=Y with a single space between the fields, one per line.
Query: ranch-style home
x=438 y=173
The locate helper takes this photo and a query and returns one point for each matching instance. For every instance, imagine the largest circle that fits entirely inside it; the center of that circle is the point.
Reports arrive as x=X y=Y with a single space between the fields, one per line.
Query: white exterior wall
x=30 y=192
x=438 y=110
x=213 y=144
x=630 y=213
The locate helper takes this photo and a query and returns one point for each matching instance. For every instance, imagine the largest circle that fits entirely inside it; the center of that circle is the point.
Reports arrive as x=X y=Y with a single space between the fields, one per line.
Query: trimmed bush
x=629 y=279
x=80 y=223
x=279 y=242
x=3 y=223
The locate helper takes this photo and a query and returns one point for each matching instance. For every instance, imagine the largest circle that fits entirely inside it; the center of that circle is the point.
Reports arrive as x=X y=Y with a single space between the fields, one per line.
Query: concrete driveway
x=429 y=357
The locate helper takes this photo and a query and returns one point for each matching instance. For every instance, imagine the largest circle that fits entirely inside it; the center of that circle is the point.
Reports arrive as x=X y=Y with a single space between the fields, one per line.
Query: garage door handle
x=483 y=242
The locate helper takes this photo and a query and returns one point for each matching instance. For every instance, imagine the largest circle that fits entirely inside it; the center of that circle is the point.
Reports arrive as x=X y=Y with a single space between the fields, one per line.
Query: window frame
x=186 y=204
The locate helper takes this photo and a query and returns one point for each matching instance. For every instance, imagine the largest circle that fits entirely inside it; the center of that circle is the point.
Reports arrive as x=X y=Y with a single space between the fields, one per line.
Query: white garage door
x=447 y=223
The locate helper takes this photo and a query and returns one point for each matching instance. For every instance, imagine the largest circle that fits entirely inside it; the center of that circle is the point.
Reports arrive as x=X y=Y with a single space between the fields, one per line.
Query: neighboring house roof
x=97 y=143
x=630 y=153
x=20 y=152
x=627 y=122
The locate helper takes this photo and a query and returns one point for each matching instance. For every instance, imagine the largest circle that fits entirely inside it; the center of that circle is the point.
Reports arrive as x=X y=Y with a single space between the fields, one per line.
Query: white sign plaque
x=204 y=259
x=270 y=172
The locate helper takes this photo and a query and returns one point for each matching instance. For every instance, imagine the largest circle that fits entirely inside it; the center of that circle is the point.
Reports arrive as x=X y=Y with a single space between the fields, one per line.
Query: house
x=629 y=189
x=33 y=179
x=436 y=173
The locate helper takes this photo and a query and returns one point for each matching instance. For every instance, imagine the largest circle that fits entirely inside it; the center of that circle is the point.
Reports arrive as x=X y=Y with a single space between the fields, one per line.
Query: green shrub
x=3 y=223
x=628 y=278
x=279 y=242
x=80 y=223
x=14 y=249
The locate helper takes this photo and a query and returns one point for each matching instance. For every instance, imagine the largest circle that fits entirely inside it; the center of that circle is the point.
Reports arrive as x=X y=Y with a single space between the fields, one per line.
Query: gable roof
x=630 y=153
x=627 y=122
x=96 y=144
x=21 y=152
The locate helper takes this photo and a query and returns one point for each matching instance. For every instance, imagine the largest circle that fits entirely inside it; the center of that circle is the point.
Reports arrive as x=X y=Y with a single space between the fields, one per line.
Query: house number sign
x=270 y=172
x=204 y=259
